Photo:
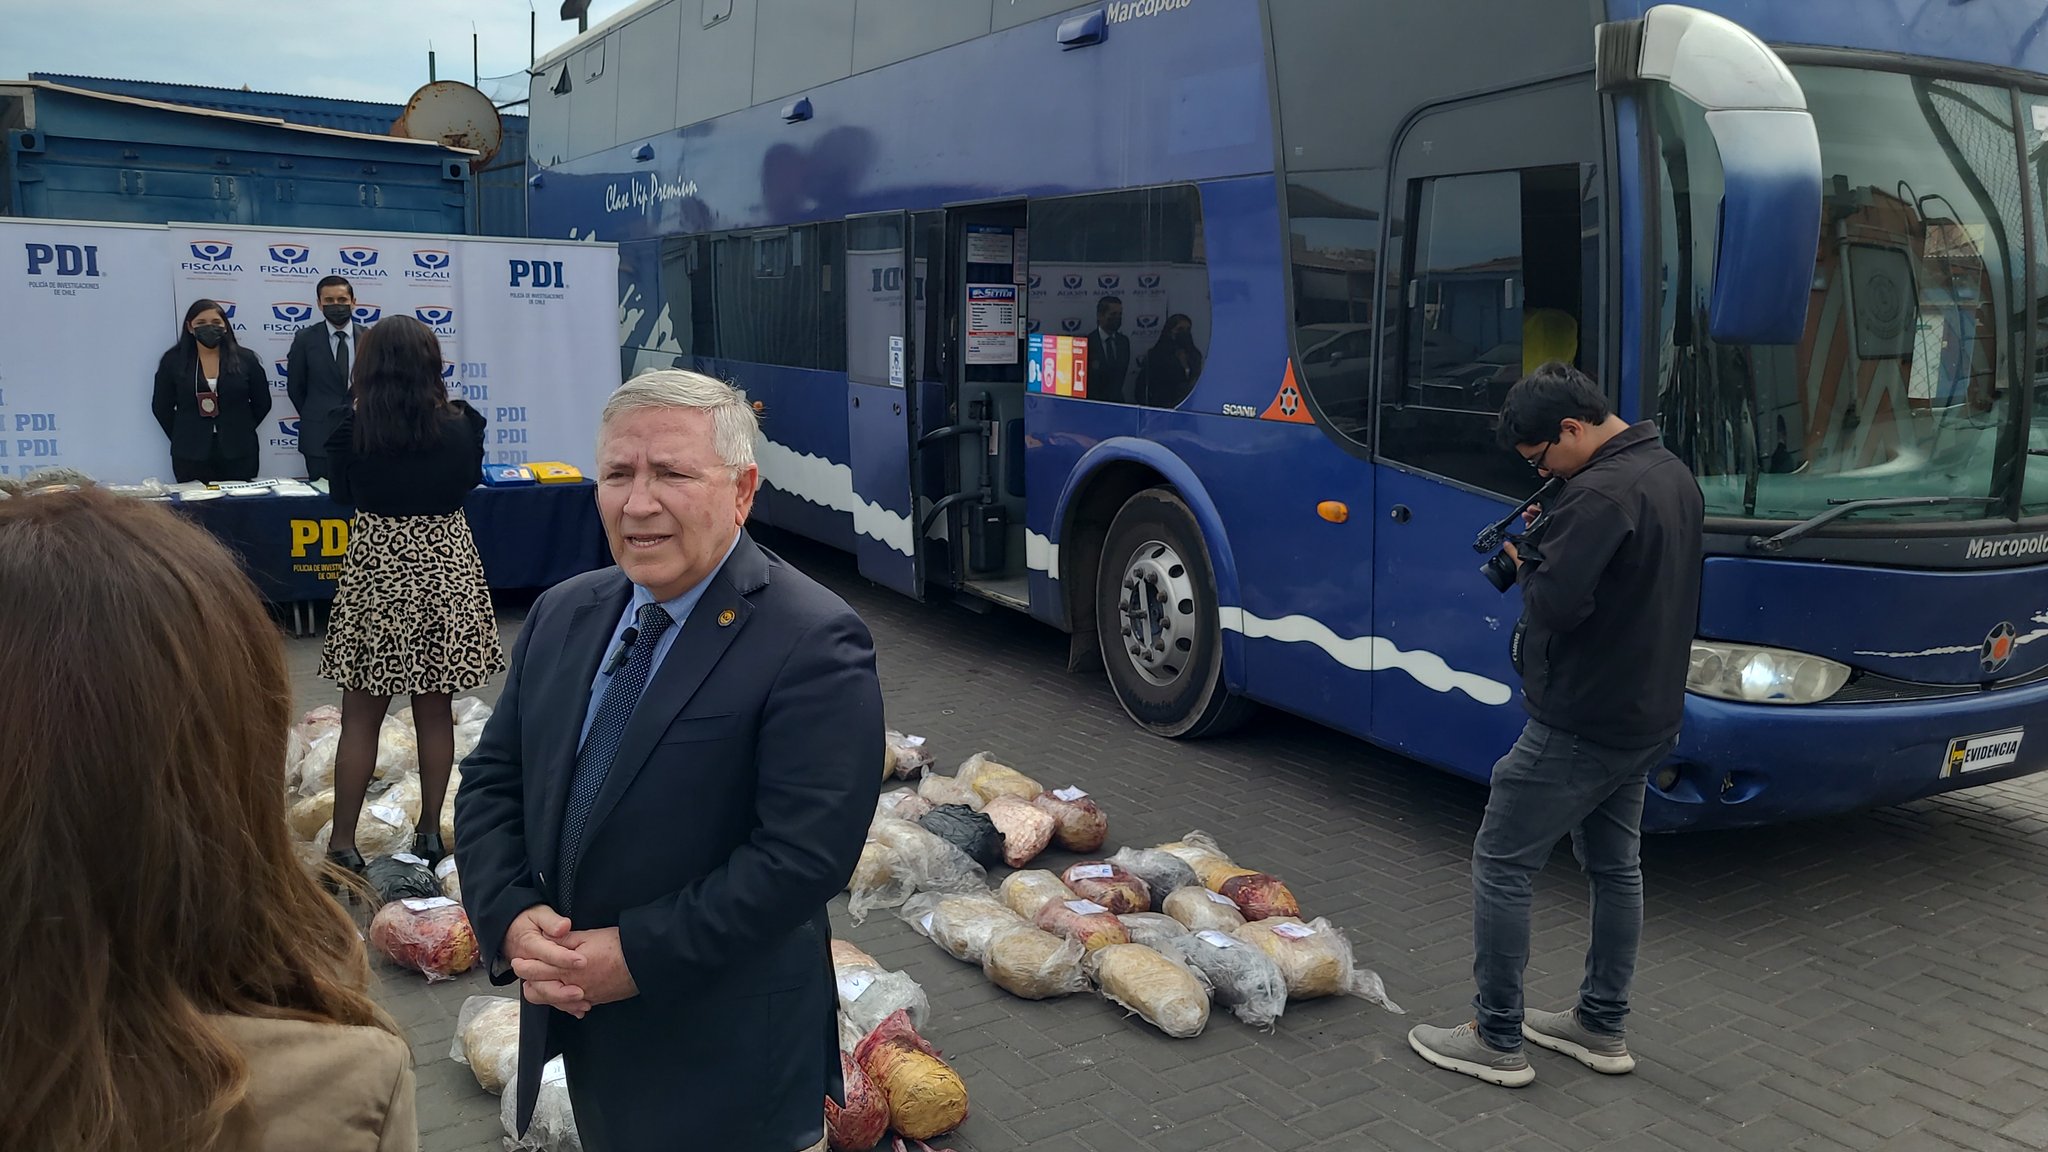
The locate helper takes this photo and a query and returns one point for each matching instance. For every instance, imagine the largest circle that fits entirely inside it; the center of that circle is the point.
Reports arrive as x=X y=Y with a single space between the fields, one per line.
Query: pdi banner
x=542 y=345
x=267 y=282
x=88 y=311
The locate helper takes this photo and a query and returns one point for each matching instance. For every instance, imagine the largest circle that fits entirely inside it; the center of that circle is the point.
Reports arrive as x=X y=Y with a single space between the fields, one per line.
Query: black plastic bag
x=968 y=830
x=401 y=877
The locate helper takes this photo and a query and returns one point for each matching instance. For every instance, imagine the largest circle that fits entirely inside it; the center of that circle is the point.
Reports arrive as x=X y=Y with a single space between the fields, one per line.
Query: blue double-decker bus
x=1183 y=325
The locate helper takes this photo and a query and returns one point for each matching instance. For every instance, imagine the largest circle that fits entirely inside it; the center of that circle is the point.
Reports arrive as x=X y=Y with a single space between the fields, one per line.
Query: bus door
x=882 y=405
x=1495 y=226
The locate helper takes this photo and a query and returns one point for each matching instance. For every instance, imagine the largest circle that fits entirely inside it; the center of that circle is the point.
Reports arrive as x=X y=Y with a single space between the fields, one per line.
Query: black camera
x=1499 y=569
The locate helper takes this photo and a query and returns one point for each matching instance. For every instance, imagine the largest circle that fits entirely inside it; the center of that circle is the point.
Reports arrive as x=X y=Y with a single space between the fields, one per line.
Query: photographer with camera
x=1610 y=576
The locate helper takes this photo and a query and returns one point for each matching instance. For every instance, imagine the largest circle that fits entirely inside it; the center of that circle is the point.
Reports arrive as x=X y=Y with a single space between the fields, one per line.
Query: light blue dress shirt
x=678 y=609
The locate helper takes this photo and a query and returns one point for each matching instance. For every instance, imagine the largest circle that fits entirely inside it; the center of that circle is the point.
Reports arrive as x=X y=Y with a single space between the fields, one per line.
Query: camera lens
x=1499 y=572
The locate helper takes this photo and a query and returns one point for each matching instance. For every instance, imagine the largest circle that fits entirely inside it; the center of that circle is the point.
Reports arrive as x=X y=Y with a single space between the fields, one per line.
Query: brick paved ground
x=1873 y=982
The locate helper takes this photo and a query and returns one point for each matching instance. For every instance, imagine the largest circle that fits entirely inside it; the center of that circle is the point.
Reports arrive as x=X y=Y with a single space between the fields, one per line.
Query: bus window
x=1493 y=289
x=1126 y=270
x=1334 y=218
x=777 y=297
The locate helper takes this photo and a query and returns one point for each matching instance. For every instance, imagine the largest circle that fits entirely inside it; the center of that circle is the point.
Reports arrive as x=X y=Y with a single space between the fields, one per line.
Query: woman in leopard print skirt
x=412 y=615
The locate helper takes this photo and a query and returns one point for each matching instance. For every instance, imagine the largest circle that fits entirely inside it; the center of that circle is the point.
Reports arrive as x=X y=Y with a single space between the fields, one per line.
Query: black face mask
x=337 y=314
x=210 y=335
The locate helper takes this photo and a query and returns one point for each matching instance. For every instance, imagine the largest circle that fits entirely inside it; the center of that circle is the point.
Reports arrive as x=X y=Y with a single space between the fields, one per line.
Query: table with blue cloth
x=530 y=537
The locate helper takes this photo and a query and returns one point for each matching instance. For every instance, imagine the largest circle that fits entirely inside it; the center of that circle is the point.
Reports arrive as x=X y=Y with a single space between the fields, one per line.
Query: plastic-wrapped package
x=1215 y=877
x=316 y=768
x=1204 y=911
x=1032 y=889
x=386 y=823
x=470 y=710
x=906 y=755
x=946 y=790
x=879 y=880
x=962 y=925
x=1093 y=925
x=431 y=936
x=1025 y=830
x=398 y=754
x=1165 y=992
x=467 y=737
x=451 y=881
x=902 y=804
x=554 y=1123
x=487 y=1039
x=1244 y=979
x=1316 y=960
x=1162 y=872
x=932 y=864
x=926 y=1097
x=1034 y=964
x=307 y=816
x=448 y=813
x=401 y=876
x=870 y=994
x=1261 y=897
x=1151 y=928
x=865 y=1120
x=1078 y=825
x=1199 y=851
x=990 y=779
x=967 y=830
x=850 y=954
x=1108 y=885
x=294 y=756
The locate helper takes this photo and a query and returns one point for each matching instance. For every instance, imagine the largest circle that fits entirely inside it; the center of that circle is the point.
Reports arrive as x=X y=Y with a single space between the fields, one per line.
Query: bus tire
x=1156 y=621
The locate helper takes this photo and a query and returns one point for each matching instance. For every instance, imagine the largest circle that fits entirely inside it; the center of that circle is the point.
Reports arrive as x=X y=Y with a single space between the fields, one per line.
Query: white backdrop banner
x=542 y=344
x=528 y=331
x=267 y=280
x=85 y=311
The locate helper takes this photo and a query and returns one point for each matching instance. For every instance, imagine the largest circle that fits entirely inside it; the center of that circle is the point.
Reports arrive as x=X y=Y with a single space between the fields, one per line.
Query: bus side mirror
x=1770 y=212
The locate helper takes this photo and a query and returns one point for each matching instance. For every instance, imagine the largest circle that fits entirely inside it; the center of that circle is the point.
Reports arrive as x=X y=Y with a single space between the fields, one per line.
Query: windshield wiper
x=1851 y=507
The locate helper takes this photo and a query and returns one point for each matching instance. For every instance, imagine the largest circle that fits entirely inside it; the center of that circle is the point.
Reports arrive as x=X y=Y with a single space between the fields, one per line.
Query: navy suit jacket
x=736 y=809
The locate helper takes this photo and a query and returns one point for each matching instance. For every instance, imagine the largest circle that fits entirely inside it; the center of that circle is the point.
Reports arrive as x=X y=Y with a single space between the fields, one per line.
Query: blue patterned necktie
x=621 y=694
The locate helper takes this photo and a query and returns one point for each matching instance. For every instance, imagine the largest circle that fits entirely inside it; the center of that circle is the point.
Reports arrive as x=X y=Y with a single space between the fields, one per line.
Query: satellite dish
x=456 y=114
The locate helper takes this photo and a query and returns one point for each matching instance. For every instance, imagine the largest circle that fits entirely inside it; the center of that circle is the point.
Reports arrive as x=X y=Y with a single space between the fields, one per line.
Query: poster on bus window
x=992 y=329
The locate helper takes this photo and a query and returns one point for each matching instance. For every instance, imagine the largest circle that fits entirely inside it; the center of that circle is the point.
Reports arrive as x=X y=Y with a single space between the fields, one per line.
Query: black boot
x=349 y=860
x=427 y=846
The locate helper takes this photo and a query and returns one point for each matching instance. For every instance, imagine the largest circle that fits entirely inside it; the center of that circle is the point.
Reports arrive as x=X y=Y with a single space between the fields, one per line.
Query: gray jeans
x=1551 y=784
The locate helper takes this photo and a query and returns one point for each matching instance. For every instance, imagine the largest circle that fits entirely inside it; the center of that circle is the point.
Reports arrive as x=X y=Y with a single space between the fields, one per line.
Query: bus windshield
x=1907 y=381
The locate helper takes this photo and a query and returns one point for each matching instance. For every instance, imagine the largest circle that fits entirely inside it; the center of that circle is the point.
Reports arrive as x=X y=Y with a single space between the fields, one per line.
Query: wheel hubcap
x=1156 y=601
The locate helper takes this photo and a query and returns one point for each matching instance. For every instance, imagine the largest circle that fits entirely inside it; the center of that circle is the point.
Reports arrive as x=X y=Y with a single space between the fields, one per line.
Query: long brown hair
x=143 y=846
x=399 y=394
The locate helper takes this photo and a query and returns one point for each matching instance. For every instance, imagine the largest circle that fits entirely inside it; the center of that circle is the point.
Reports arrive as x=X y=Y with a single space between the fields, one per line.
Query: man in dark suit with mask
x=1109 y=352
x=317 y=371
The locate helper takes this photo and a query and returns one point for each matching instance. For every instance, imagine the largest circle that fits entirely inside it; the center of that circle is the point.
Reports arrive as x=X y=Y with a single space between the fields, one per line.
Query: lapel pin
x=726 y=617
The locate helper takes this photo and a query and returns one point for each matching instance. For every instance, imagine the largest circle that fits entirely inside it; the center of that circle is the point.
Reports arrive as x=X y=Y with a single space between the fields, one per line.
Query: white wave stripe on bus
x=1367 y=654
x=1961 y=649
x=821 y=482
x=1041 y=554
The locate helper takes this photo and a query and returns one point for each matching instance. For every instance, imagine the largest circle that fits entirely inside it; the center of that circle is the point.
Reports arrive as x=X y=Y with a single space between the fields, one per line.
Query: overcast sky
x=360 y=49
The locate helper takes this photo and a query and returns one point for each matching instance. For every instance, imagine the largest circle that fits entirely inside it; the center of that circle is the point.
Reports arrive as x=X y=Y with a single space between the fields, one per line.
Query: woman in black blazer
x=211 y=397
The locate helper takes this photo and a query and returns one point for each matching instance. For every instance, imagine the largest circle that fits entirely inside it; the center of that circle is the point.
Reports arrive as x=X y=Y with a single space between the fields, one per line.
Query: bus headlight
x=1756 y=675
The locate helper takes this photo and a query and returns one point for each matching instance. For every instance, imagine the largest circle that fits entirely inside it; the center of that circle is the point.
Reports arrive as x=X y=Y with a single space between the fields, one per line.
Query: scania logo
x=292 y=313
x=1149 y=280
x=368 y=314
x=431 y=259
x=1108 y=283
x=434 y=317
x=359 y=257
x=1997 y=649
x=290 y=253
x=1072 y=280
x=212 y=251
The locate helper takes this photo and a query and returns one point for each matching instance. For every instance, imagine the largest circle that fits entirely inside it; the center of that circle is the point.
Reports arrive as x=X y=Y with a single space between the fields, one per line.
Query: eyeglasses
x=1536 y=461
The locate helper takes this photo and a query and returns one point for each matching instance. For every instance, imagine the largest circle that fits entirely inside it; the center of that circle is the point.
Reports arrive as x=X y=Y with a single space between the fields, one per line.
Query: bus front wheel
x=1156 y=620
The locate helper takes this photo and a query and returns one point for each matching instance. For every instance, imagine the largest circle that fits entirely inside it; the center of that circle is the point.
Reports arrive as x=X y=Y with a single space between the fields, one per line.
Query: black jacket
x=1613 y=605
x=315 y=383
x=733 y=812
x=244 y=402
x=430 y=481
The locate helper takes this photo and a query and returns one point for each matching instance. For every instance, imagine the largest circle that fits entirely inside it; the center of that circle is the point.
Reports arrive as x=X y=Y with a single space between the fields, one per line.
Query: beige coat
x=327 y=1086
